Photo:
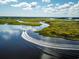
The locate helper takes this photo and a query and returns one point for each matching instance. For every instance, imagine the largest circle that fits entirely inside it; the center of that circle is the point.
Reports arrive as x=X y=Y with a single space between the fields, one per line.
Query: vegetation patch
x=20 y=21
x=62 y=28
x=65 y=28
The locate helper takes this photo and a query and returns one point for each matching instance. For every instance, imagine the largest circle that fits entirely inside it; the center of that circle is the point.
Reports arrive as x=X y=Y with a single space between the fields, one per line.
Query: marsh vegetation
x=68 y=29
x=64 y=28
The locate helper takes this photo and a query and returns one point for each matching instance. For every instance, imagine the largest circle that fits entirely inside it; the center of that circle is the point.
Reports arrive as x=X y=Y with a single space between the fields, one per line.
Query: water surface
x=13 y=46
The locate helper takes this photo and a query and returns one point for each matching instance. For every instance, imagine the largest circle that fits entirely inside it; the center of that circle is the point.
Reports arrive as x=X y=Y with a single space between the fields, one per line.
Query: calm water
x=12 y=46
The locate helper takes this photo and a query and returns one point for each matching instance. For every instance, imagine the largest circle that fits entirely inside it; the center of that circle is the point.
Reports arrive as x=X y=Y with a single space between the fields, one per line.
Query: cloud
x=50 y=5
x=49 y=10
x=71 y=2
x=26 y=6
x=46 y=1
x=64 y=6
x=33 y=4
x=23 y=5
x=66 y=9
x=74 y=9
x=7 y=1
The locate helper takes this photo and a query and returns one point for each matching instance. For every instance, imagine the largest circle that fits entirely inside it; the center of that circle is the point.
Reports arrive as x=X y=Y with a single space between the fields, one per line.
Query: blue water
x=13 y=46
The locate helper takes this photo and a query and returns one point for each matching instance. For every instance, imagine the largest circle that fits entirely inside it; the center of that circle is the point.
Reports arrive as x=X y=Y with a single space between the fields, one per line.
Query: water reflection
x=12 y=46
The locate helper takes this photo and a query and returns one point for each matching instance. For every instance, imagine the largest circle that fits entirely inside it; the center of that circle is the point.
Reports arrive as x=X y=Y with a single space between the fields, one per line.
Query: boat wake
x=28 y=38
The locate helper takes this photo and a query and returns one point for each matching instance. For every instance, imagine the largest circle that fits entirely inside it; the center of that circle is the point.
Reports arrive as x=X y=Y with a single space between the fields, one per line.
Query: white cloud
x=64 y=6
x=74 y=10
x=67 y=9
x=49 y=10
x=23 y=5
x=26 y=6
x=7 y=1
x=50 y=5
x=33 y=4
x=71 y=2
x=46 y=1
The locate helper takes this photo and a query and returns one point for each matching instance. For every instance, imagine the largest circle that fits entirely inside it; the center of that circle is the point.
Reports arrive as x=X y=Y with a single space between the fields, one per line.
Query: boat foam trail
x=44 y=43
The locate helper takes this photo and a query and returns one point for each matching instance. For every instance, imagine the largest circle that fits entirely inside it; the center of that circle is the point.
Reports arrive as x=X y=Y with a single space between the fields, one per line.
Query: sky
x=39 y=8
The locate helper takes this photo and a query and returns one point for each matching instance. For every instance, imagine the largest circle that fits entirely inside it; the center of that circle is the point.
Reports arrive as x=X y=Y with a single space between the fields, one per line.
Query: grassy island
x=20 y=21
x=68 y=29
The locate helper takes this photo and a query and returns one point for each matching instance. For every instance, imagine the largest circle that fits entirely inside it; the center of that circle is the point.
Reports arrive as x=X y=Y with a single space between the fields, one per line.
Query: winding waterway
x=59 y=43
x=20 y=42
x=13 y=46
